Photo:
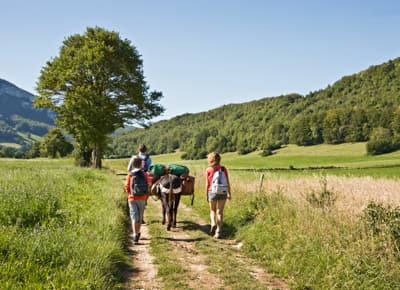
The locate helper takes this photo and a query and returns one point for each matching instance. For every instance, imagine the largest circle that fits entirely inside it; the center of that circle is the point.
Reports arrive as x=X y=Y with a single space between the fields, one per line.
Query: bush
x=324 y=199
x=380 y=142
x=383 y=221
x=269 y=148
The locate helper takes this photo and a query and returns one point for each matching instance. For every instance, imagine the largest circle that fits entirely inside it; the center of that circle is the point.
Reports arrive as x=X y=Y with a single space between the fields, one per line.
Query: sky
x=202 y=54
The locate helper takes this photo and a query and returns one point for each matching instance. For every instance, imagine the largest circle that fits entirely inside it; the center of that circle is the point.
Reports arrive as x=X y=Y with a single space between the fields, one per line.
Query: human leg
x=136 y=212
x=220 y=216
x=213 y=210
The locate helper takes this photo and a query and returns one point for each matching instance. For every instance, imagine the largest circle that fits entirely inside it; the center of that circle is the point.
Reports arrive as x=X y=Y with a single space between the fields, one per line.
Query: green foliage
x=380 y=142
x=96 y=85
x=313 y=249
x=383 y=221
x=347 y=111
x=60 y=227
x=54 y=145
x=316 y=250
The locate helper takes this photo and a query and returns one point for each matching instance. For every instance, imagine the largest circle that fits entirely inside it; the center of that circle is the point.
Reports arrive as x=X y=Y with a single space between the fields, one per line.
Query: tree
x=332 y=128
x=34 y=152
x=380 y=142
x=55 y=145
x=96 y=85
x=300 y=132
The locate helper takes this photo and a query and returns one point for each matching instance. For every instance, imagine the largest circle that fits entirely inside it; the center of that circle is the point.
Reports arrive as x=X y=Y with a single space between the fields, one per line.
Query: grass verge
x=60 y=227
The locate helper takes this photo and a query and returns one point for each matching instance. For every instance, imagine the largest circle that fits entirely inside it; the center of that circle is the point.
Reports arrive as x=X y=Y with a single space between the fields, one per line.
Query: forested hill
x=19 y=121
x=347 y=111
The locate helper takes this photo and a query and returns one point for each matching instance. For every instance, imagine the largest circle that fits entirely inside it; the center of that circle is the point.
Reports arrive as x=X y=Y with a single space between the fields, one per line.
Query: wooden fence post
x=261 y=183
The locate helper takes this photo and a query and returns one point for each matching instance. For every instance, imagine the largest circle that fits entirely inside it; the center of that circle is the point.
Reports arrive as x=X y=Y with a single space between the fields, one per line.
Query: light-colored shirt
x=145 y=163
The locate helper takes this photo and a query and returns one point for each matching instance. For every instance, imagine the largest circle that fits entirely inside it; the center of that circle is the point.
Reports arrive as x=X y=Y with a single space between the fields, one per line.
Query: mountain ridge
x=20 y=123
x=346 y=111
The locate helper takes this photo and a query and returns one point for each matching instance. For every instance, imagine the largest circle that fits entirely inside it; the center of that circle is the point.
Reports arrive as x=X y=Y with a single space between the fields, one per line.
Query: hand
x=229 y=196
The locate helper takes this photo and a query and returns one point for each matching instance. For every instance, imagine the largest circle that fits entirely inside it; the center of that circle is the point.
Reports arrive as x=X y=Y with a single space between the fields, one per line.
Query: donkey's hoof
x=168 y=227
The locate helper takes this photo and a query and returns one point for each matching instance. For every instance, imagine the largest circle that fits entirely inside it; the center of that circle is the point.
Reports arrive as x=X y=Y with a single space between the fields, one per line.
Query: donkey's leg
x=170 y=216
x=164 y=208
x=176 y=205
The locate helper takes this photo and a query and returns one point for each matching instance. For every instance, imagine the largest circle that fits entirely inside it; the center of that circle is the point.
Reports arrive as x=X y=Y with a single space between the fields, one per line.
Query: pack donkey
x=169 y=189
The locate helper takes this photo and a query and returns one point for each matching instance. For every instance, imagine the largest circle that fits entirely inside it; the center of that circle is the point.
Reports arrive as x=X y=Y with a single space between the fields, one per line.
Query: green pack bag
x=177 y=169
x=157 y=169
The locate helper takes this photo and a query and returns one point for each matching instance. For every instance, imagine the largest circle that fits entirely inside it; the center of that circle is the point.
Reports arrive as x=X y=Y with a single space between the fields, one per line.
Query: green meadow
x=322 y=217
x=61 y=226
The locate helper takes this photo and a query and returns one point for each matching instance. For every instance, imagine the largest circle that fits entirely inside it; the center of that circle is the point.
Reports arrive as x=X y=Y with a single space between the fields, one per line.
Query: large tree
x=95 y=86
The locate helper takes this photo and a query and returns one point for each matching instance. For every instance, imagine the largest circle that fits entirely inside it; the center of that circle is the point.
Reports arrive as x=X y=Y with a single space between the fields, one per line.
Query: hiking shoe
x=137 y=237
x=212 y=229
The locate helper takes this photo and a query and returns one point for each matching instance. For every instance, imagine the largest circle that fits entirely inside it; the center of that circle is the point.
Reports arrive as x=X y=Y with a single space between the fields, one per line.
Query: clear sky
x=206 y=53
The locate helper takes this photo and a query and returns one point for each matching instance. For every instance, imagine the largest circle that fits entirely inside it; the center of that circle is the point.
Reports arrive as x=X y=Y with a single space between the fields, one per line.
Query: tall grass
x=61 y=227
x=315 y=248
x=316 y=234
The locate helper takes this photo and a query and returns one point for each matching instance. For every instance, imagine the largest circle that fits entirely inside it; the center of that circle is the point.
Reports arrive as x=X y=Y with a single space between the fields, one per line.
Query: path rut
x=195 y=263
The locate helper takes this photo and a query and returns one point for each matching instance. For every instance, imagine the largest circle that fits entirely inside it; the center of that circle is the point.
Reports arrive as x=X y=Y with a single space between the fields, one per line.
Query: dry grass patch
x=353 y=193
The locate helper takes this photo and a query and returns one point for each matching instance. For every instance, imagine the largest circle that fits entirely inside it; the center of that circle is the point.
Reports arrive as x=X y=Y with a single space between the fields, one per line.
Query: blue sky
x=206 y=53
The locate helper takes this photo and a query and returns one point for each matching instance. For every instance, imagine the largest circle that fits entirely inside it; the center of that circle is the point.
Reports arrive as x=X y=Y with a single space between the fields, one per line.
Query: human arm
x=147 y=163
x=127 y=184
x=229 y=184
x=130 y=164
x=207 y=183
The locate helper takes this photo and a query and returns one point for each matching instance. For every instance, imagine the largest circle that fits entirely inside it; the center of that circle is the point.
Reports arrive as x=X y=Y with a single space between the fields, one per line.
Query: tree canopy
x=96 y=85
x=347 y=111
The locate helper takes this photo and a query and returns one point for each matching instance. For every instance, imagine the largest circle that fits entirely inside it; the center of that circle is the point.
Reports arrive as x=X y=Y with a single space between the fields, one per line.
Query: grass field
x=342 y=160
x=330 y=224
x=62 y=227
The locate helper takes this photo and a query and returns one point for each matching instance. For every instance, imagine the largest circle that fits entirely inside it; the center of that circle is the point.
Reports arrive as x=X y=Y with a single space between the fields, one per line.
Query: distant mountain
x=20 y=123
x=347 y=111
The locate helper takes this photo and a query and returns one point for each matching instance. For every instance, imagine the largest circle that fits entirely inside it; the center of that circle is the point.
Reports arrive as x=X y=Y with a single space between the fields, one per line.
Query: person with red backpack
x=218 y=190
x=145 y=164
x=136 y=186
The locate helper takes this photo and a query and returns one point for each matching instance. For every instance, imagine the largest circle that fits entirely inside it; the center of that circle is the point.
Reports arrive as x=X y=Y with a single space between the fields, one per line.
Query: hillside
x=20 y=123
x=346 y=111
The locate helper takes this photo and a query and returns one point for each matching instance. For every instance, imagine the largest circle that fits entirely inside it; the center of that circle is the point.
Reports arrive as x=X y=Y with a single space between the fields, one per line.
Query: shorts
x=136 y=210
x=215 y=196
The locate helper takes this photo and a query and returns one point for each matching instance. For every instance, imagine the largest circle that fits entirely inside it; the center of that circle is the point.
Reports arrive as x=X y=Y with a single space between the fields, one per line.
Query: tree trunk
x=96 y=157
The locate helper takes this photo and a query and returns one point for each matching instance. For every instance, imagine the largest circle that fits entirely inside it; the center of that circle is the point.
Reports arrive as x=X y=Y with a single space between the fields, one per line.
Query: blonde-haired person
x=216 y=200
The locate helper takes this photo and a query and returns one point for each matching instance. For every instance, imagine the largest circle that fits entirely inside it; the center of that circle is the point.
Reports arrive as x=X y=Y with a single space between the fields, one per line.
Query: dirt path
x=267 y=279
x=144 y=272
x=198 y=274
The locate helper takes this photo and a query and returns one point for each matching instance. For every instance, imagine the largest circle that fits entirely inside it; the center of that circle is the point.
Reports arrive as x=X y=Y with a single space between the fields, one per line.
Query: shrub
x=324 y=199
x=384 y=222
x=380 y=142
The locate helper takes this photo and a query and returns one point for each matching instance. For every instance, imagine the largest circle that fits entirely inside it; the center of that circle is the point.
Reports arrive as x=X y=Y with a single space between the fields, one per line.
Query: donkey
x=170 y=189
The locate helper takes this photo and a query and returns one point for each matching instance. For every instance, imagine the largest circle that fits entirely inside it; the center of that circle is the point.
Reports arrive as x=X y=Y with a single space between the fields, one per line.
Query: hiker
x=217 y=192
x=146 y=160
x=145 y=165
x=137 y=188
